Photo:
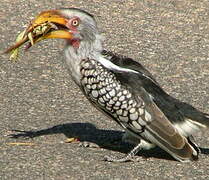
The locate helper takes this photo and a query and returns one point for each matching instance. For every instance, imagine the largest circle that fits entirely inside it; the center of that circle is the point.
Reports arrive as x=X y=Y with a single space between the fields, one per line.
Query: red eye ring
x=75 y=22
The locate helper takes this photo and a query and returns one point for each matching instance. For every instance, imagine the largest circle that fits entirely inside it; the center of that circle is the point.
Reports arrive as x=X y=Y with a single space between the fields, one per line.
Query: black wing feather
x=160 y=130
x=175 y=110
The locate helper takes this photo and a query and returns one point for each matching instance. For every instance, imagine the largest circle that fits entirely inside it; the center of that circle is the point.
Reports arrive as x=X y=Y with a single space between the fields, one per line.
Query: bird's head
x=74 y=25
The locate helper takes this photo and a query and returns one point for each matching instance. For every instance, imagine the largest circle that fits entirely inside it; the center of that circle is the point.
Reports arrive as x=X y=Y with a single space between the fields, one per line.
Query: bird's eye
x=75 y=22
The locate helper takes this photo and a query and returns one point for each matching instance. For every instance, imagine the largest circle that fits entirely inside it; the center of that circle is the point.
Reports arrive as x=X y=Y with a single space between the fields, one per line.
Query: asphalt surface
x=170 y=38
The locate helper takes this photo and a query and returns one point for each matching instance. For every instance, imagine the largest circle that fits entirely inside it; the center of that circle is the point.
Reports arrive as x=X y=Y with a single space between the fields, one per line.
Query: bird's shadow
x=87 y=132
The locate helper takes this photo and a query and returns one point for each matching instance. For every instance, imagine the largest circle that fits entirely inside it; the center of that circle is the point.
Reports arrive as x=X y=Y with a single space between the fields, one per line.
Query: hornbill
x=119 y=86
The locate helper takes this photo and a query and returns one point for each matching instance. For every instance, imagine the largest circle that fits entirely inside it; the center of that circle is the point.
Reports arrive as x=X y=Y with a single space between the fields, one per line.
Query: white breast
x=73 y=64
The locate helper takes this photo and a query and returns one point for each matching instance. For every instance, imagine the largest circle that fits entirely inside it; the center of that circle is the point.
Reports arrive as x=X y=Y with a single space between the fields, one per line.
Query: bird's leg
x=128 y=157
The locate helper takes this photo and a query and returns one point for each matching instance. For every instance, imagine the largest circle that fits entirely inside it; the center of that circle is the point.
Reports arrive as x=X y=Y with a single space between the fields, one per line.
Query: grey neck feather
x=87 y=49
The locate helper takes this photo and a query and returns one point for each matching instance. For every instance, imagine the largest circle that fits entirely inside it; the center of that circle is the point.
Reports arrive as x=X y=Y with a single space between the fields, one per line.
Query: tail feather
x=199 y=118
x=187 y=152
x=206 y=116
x=193 y=122
x=206 y=119
x=194 y=114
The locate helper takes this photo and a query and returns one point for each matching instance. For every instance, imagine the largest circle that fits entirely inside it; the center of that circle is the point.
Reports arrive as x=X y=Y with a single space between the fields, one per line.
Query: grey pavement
x=37 y=96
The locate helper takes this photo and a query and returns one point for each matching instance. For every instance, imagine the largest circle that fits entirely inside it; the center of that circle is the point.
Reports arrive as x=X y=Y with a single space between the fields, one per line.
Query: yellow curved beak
x=48 y=18
x=47 y=25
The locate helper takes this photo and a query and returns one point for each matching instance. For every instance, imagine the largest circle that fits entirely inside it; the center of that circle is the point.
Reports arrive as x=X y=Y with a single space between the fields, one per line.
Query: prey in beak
x=47 y=25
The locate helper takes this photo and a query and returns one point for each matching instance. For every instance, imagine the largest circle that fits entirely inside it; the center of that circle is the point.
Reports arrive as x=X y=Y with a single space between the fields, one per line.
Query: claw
x=129 y=157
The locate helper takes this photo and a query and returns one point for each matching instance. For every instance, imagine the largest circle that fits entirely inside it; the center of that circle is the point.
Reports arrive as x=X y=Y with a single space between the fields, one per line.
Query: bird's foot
x=129 y=157
x=116 y=159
